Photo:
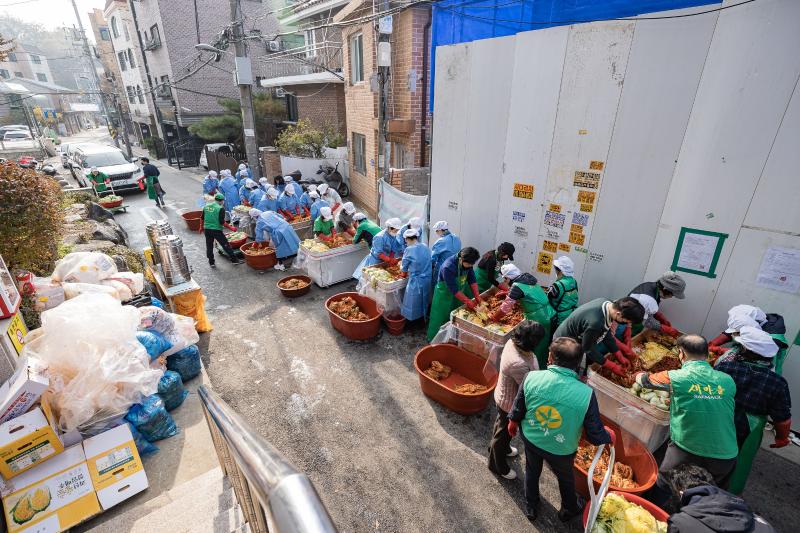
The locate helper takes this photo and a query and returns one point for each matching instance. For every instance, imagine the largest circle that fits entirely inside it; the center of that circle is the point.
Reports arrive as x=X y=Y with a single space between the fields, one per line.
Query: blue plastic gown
x=284 y=238
x=316 y=206
x=267 y=204
x=210 y=185
x=446 y=246
x=242 y=176
x=305 y=200
x=382 y=243
x=417 y=262
x=402 y=240
x=255 y=196
x=228 y=187
x=289 y=202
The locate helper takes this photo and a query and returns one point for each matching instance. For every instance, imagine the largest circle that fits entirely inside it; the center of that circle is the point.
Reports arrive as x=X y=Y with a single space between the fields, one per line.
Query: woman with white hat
x=563 y=293
x=344 y=219
x=289 y=202
x=323 y=225
x=317 y=203
x=365 y=229
x=385 y=248
x=243 y=172
x=417 y=266
x=327 y=193
x=210 y=183
x=413 y=223
x=447 y=245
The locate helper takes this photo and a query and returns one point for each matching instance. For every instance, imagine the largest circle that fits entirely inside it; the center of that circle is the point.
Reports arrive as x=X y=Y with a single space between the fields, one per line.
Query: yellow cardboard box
x=26 y=441
x=55 y=496
x=115 y=466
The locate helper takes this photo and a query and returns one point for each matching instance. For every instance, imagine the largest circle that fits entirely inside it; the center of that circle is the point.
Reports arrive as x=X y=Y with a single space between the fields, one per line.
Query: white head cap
x=738 y=321
x=212 y=173
x=225 y=172
x=93 y=169
x=250 y=184
x=648 y=302
x=263 y=181
x=753 y=312
x=288 y=179
x=242 y=166
x=349 y=208
x=272 y=192
x=325 y=213
x=415 y=222
x=510 y=271
x=394 y=223
x=441 y=225
x=254 y=213
x=758 y=341
x=359 y=216
x=313 y=194
x=565 y=265
x=322 y=188
x=289 y=189
x=312 y=187
x=411 y=232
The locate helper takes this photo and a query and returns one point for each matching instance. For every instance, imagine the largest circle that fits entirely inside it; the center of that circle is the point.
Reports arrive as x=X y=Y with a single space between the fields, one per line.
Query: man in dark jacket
x=705 y=508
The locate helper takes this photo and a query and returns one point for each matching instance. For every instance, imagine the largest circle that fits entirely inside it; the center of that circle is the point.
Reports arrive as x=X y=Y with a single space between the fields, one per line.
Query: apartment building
x=26 y=61
x=407 y=121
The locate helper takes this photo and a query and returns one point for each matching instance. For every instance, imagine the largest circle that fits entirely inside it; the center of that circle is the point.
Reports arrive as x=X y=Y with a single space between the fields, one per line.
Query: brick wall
x=322 y=104
x=410 y=180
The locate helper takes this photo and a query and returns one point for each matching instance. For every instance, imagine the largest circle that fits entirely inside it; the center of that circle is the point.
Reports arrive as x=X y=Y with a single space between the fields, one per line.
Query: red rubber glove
x=228 y=226
x=722 y=338
x=501 y=293
x=403 y=274
x=625 y=349
x=466 y=301
x=335 y=207
x=385 y=258
x=782 y=433
x=475 y=292
x=513 y=427
x=718 y=350
x=661 y=318
x=502 y=288
x=622 y=359
x=307 y=211
x=669 y=330
x=612 y=434
x=324 y=237
x=614 y=367
x=351 y=232
x=496 y=316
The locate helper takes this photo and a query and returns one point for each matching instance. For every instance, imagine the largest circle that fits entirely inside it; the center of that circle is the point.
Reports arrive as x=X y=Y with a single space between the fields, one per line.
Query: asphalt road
x=351 y=415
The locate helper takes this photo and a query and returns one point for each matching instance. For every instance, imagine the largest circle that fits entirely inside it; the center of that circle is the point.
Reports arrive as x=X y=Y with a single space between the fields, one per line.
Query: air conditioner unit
x=280 y=92
x=274 y=46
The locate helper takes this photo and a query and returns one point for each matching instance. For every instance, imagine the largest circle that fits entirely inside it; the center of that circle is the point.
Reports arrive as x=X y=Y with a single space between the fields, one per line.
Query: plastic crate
x=386 y=286
x=642 y=420
x=328 y=269
x=341 y=250
x=480 y=331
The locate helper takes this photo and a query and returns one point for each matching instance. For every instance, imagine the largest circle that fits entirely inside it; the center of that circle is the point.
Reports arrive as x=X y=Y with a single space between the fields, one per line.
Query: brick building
x=407 y=118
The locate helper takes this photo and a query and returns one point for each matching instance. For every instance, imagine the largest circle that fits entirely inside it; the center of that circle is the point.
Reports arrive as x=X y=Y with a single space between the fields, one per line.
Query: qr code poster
x=544 y=263
x=556 y=220
x=580 y=219
x=550 y=246
x=586 y=197
x=588 y=180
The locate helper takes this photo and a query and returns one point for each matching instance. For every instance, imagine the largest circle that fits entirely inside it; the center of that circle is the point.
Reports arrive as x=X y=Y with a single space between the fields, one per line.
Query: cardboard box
x=27 y=441
x=53 y=497
x=115 y=466
x=22 y=389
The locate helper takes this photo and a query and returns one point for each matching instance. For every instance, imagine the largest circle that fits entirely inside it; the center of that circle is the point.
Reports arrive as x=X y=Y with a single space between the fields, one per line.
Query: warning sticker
x=452 y=205
x=580 y=219
x=551 y=218
x=576 y=238
x=544 y=263
x=587 y=208
x=575 y=228
x=563 y=247
x=555 y=208
x=590 y=180
x=550 y=246
x=596 y=165
x=523 y=190
x=586 y=197
x=518 y=216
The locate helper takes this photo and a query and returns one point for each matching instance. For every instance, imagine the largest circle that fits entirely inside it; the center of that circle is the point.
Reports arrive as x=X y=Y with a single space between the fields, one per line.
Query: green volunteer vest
x=556 y=403
x=536 y=307
x=482 y=277
x=211 y=216
x=701 y=411
x=323 y=226
x=567 y=300
x=780 y=357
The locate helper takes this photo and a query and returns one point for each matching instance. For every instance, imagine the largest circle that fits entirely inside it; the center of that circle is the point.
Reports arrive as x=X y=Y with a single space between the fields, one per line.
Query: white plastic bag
x=84 y=267
x=135 y=282
x=73 y=290
x=48 y=294
x=123 y=291
x=177 y=329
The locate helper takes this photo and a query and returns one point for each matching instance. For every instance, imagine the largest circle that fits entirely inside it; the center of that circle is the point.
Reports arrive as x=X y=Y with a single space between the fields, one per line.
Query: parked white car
x=213 y=147
x=111 y=161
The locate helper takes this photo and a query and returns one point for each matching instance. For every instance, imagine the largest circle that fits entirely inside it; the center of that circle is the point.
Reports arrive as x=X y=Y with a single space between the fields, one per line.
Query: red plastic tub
x=395 y=323
x=466 y=368
x=294 y=293
x=257 y=262
x=194 y=220
x=352 y=329
x=638 y=457
x=112 y=204
x=657 y=512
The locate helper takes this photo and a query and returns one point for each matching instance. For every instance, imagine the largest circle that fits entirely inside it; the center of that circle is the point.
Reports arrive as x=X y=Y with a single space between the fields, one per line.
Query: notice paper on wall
x=780 y=269
x=698 y=251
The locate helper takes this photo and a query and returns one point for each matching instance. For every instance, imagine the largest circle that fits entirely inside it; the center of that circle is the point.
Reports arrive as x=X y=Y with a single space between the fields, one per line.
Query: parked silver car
x=111 y=161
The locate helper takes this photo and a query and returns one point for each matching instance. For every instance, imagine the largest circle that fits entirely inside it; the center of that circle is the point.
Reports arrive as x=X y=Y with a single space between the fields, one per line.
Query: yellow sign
x=17 y=331
x=523 y=190
x=550 y=246
x=548 y=416
x=544 y=263
x=587 y=208
x=555 y=208
x=562 y=247
x=576 y=228
x=596 y=165
x=576 y=238
x=586 y=197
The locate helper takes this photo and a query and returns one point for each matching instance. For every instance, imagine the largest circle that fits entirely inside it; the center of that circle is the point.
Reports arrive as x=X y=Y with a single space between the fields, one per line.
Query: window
x=130 y=58
x=125 y=29
x=154 y=35
x=19 y=74
x=114 y=28
x=131 y=94
x=104 y=34
x=139 y=94
x=36 y=59
x=12 y=57
x=41 y=77
x=311 y=43
x=4 y=73
x=121 y=57
x=291 y=107
x=360 y=153
x=356 y=58
x=163 y=88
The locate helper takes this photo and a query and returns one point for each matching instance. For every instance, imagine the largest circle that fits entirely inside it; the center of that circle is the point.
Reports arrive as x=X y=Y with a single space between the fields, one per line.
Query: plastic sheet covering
x=186 y=362
x=97 y=367
x=179 y=330
x=84 y=267
x=396 y=203
x=153 y=342
x=143 y=446
x=73 y=290
x=156 y=302
x=390 y=300
x=171 y=390
x=134 y=281
x=453 y=334
x=152 y=419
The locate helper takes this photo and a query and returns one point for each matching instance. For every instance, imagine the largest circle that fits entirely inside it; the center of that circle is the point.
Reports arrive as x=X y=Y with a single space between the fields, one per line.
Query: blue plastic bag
x=170 y=388
x=153 y=342
x=142 y=445
x=152 y=419
x=156 y=302
x=186 y=362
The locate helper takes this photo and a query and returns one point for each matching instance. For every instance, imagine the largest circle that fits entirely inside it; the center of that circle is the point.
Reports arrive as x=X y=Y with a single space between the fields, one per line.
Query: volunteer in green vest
x=455 y=276
x=98 y=179
x=323 y=225
x=487 y=271
x=365 y=229
x=533 y=299
x=213 y=222
x=590 y=325
x=553 y=408
x=701 y=414
x=669 y=285
x=563 y=293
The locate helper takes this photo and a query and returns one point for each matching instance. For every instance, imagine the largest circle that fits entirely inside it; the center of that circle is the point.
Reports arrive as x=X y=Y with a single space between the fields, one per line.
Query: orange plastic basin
x=352 y=329
x=258 y=262
x=466 y=368
x=194 y=220
x=294 y=293
x=657 y=512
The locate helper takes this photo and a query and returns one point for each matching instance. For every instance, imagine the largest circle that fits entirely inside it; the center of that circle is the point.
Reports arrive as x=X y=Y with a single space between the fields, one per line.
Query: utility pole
x=244 y=78
x=384 y=55
x=88 y=52
x=124 y=127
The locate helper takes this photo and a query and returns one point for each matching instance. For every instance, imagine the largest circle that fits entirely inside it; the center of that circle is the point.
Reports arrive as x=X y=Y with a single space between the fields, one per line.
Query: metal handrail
x=287 y=498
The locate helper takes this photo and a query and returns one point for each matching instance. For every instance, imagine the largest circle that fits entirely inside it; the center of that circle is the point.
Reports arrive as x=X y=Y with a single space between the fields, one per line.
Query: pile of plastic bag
x=151 y=419
x=171 y=391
